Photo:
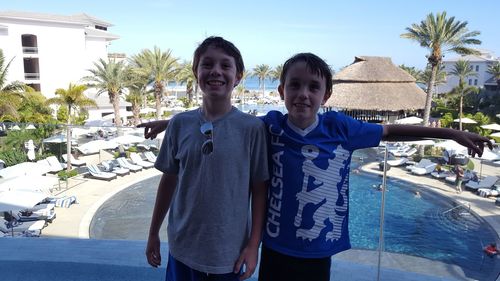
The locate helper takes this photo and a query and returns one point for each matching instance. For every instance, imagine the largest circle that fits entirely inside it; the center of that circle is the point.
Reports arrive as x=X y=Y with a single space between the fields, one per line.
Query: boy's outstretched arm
x=153 y=128
x=474 y=142
x=249 y=255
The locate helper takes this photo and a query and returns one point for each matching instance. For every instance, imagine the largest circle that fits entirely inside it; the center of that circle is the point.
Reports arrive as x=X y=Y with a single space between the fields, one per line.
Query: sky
x=269 y=32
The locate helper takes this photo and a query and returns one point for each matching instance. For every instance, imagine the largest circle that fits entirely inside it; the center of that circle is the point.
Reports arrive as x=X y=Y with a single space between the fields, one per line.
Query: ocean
x=251 y=84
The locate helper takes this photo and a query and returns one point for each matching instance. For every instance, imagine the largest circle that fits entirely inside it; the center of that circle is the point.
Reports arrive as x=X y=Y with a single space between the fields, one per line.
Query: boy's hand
x=474 y=142
x=153 y=250
x=153 y=128
x=248 y=258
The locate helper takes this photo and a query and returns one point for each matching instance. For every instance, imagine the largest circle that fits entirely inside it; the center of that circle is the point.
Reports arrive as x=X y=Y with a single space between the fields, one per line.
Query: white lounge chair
x=54 y=164
x=488 y=192
x=94 y=172
x=442 y=174
x=30 y=228
x=424 y=170
x=110 y=167
x=123 y=162
x=487 y=182
x=150 y=156
x=74 y=162
x=422 y=163
x=136 y=159
x=397 y=162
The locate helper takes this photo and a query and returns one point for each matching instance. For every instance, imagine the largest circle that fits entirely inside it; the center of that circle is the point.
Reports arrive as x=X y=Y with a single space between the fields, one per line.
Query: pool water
x=428 y=226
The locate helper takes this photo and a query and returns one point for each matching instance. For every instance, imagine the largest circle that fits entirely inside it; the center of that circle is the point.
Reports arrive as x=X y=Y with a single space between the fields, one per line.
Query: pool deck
x=124 y=260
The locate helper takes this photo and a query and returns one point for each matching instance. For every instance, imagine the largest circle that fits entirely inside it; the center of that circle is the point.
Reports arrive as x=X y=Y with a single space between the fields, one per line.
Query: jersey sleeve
x=166 y=161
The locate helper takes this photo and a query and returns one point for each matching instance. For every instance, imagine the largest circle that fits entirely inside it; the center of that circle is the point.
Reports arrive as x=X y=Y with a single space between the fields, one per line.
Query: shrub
x=13 y=157
x=64 y=175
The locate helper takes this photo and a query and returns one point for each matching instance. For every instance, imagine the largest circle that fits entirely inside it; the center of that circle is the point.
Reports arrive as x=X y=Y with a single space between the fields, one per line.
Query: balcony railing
x=30 y=50
x=32 y=76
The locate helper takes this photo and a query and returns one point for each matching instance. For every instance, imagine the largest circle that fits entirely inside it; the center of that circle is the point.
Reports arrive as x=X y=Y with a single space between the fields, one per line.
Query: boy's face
x=217 y=74
x=303 y=92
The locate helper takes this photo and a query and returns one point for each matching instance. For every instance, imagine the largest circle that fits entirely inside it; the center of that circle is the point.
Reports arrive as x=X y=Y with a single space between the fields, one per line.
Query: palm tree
x=186 y=75
x=138 y=92
x=415 y=73
x=494 y=69
x=72 y=98
x=262 y=71
x=160 y=67
x=276 y=72
x=462 y=69
x=10 y=94
x=440 y=34
x=111 y=77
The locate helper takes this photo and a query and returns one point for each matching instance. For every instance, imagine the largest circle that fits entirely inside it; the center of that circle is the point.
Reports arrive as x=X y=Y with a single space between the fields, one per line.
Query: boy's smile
x=303 y=92
x=217 y=74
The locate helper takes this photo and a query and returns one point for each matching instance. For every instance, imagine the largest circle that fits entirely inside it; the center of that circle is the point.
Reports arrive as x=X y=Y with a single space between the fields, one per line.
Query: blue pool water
x=428 y=226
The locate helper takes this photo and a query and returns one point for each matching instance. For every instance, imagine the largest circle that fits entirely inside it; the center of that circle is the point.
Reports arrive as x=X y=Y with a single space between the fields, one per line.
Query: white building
x=479 y=64
x=51 y=51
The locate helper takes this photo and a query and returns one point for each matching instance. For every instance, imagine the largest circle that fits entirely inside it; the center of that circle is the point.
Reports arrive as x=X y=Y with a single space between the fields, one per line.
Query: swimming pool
x=428 y=226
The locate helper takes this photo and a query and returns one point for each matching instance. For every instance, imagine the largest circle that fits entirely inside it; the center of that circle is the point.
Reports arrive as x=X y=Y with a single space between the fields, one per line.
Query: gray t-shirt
x=209 y=217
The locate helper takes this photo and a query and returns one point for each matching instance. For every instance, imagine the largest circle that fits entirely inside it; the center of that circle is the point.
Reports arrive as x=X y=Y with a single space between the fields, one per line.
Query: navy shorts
x=177 y=271
x=275 y=266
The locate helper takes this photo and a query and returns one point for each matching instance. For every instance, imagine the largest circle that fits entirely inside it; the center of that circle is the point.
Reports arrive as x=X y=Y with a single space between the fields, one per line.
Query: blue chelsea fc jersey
x=308 y=202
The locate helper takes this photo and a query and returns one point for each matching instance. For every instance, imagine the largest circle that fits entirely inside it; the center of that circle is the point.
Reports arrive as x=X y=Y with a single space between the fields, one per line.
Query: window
x=29 y=44
x=470 y=81
x=475 y=82
x=477 y=68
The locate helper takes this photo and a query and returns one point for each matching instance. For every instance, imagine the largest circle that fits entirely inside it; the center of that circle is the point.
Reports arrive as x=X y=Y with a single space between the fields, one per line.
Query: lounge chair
x=397 y=162
x=30 y=228
x=123 y=162
x=442 y=174
x=487 y=182
x=136 y=159
x=111 y=167
x=423 y=162
x=74 y=162
x=489 y=192
x=54 y=164
x=150 y=156
x=94 y=172
x=429 y=168
x=64 y=202
x=43 y=211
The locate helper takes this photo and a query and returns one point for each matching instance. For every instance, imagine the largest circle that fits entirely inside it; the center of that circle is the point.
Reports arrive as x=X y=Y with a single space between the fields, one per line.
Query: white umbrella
x=452 y=146
x=55 y=139
x=409 y=120
x=495 y=135
x=31 y=150
x=25 y=168
x=489 y=155
x=96 y=145
x=128 y=139
x=15 y=128
x=35 y=183
x=493 y=126
x=30 y=127
x=465 y=120
x=18 y=200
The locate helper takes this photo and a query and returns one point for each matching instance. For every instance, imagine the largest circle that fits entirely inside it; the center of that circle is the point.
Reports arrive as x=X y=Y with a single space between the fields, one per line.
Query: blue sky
x=271 y=31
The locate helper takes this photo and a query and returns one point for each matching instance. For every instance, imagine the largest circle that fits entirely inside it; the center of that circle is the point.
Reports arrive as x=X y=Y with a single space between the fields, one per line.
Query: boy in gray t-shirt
x=214 y=161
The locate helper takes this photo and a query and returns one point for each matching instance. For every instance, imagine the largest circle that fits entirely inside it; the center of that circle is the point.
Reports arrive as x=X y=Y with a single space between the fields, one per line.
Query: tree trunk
x=460 y=112
x=116 y=107
x=136 y=110
x=68 y=141
x=428 y=103
x=158 y=94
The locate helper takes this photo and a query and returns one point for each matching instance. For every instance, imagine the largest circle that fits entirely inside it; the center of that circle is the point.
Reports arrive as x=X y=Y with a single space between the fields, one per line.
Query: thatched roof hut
x=375 y=86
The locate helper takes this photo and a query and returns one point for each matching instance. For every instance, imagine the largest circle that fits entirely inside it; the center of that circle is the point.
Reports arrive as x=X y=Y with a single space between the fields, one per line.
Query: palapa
x=375 y=83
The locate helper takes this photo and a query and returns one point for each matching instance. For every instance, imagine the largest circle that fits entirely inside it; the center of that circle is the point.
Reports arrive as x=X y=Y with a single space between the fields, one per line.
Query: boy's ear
x=238 y=79
x=281 y=91
x=326 y=97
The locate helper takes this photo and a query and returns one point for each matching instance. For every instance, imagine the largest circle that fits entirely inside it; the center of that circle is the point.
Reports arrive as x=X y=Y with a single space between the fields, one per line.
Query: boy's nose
x=215 y=71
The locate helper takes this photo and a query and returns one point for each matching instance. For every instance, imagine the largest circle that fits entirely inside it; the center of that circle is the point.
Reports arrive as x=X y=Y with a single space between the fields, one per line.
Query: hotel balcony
x=32 y=76
x=30 y=50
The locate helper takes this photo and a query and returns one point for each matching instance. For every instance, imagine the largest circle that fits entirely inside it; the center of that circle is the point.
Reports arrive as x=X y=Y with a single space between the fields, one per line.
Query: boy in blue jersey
x=310 y=155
